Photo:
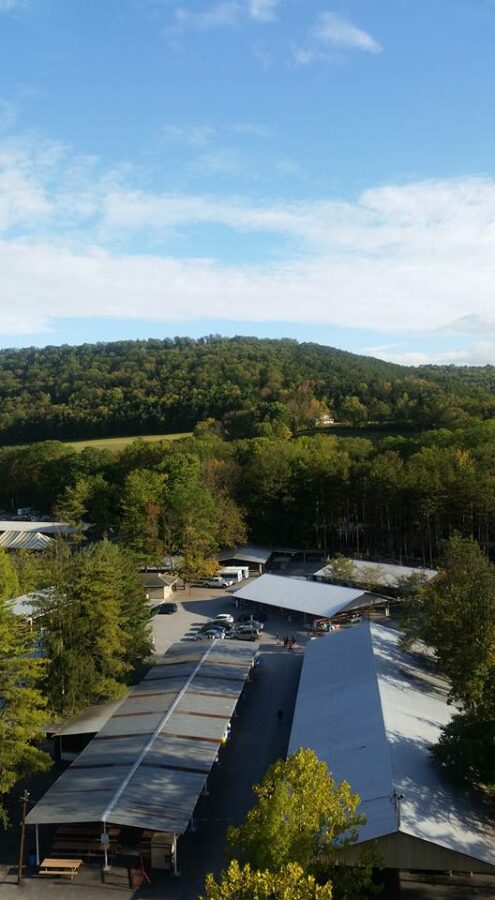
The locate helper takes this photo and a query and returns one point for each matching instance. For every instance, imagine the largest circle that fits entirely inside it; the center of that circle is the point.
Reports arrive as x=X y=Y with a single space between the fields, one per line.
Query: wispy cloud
x=333 y=34
x=336 y=31
x=10 y=5
x=476 y=354
x=194 y=135
x=218 y=16
x=263 y=10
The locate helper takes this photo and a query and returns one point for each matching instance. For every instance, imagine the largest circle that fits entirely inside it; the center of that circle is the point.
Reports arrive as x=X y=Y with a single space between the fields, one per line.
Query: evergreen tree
x=22 y=714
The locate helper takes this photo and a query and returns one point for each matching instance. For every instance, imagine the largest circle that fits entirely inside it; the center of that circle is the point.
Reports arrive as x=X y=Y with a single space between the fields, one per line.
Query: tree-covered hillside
x=248 y=386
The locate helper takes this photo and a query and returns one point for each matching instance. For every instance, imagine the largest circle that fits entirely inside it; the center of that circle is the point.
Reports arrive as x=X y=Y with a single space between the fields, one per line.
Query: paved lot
x=258 y=738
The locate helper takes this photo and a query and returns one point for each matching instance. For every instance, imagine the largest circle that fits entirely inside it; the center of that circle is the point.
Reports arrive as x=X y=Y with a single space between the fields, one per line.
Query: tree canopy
x=248 y=385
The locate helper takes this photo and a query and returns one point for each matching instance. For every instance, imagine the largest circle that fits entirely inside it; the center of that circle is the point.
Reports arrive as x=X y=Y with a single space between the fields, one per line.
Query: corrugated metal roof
x=24 y=540
x=41 y=527
x=247 y=553
x=385 y=574
x=299 y=595
x=148 y=763
x=372 y=711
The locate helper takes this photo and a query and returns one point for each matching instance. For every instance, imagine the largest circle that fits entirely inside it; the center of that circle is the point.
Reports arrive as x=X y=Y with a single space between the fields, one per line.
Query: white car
x=224 y=617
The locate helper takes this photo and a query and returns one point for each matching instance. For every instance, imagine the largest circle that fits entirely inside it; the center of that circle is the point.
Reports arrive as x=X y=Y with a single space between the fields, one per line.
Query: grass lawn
x=117 y=444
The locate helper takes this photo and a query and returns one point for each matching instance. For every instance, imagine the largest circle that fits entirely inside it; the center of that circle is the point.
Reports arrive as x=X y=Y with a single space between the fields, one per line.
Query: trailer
x=236 y=572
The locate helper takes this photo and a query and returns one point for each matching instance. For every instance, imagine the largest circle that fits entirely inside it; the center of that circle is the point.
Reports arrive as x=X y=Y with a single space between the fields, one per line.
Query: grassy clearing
x=115 y=445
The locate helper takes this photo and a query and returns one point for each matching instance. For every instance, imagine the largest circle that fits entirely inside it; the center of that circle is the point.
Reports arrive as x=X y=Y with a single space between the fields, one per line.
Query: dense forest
x=397 y=498
x=248 y=386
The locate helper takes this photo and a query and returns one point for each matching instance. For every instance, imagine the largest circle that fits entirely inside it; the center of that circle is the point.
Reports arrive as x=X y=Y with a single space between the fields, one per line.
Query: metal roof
x=148 y=763
x=299 y=595
x=24 y=540
x=41 y=527
x=247 y=553
x=372 y=711
x=385 y=574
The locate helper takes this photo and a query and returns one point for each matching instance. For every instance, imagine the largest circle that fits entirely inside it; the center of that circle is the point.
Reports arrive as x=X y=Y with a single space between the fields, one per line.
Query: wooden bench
x=67 y=867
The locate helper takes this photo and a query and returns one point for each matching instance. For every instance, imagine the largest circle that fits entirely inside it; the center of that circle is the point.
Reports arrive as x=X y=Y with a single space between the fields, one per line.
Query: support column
x=174 y=855
x=104 y=840
x=37 y=836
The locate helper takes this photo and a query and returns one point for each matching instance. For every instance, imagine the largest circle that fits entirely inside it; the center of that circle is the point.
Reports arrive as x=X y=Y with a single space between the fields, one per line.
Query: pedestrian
x=286 y=643
x=280 y=715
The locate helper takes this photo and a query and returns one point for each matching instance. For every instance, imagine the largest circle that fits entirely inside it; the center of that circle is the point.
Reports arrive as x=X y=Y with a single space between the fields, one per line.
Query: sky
x=317 y=170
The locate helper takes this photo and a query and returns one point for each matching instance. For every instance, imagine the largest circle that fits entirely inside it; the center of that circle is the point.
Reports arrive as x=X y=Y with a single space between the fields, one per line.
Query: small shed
x=250 y=555
x=157 y=585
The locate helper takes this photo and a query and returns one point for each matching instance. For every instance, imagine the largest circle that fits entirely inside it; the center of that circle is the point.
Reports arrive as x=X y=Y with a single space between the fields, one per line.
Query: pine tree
x=22 y=713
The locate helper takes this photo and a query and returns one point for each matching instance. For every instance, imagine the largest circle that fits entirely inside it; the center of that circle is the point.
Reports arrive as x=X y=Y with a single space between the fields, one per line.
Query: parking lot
x=197 y=605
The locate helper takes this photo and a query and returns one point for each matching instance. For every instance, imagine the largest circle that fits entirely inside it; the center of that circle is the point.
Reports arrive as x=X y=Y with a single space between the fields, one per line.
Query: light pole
x=24 y=801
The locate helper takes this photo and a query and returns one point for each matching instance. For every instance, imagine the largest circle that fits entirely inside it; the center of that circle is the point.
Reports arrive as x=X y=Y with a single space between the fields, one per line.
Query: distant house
x=324 y=421
x=372 y=710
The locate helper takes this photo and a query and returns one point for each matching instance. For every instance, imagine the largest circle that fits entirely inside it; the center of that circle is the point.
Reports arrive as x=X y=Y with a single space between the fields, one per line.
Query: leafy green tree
x=95 y=626
x=456 y=616
x=353 y=410
x=72 y=506
x=466 y=748
x=22 y=714
x=300 y=814
x=142 y=511
x=289 y=883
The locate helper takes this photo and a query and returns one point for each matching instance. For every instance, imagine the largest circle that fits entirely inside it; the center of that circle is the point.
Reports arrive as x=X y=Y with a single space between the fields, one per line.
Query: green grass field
x=117 y=444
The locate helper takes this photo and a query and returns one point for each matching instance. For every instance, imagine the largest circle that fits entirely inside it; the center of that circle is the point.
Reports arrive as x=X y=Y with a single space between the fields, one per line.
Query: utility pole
x=24 y=801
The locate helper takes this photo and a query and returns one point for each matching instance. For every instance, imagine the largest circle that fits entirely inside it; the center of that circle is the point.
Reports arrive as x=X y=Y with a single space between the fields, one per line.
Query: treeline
x=247 y=386
x=396 y=499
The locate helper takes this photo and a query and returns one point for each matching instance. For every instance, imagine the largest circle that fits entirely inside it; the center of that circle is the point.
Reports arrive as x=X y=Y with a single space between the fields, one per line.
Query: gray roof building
x=299 y=595
x=380 y=575
x=150 y=759
x=372 y=711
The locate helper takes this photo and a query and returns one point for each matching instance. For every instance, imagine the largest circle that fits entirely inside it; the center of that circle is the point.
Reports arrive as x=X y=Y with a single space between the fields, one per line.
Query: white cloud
x=479 y=353
x=195 y=135
x=337 y=31
x=413 y=258
x=263 y=10
x=331 y=35
x=218 y=16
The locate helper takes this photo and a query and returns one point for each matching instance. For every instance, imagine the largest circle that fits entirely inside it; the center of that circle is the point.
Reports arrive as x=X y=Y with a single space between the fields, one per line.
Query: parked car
x=214 y=633
x=249 y=616
x=224 y=617
x=256 y=623
x=214 y=582
x=166 y=608
x=244 y=635
x=219 y=626
x=247 y=629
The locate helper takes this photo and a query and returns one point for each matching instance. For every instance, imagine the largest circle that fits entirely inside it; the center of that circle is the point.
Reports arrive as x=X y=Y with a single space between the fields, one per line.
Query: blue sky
x=297 y=168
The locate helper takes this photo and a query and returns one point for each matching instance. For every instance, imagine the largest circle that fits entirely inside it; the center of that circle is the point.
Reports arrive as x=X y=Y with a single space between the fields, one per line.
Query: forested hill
x=250 y=386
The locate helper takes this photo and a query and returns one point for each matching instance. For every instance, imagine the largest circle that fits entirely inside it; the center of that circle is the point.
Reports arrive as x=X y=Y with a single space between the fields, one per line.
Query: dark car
x=166 y=609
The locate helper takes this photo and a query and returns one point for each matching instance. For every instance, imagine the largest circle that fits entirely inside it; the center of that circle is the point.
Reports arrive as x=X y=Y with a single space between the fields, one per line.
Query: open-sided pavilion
x=149 y=763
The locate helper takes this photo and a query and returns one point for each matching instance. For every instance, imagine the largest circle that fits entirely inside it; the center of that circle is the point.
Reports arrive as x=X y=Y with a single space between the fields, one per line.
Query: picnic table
x=68 y=867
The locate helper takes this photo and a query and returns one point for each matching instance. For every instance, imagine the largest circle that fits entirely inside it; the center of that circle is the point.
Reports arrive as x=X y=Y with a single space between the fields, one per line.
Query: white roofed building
x=376 y=576
x=372 y=711
x=301 y=596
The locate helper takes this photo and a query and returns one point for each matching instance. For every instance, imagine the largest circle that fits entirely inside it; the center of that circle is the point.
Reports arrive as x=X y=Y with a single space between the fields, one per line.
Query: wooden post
x=36 y=831
x=24 y=801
